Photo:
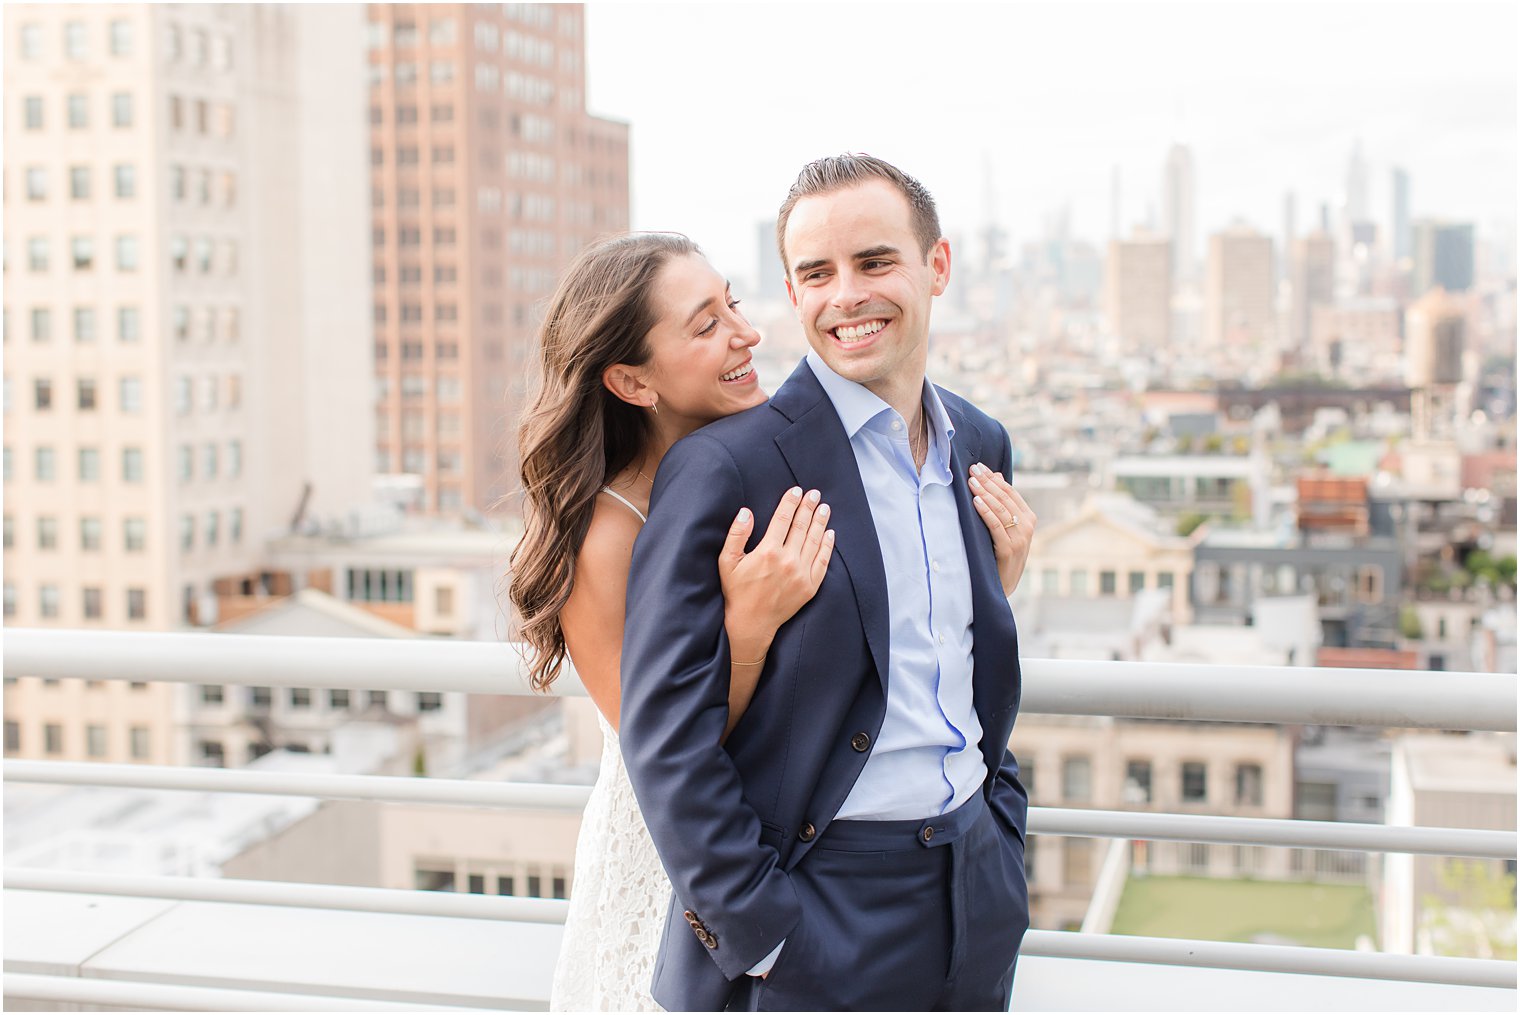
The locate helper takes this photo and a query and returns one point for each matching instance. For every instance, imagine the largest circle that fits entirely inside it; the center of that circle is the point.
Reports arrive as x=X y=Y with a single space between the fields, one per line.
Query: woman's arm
x=765 y=588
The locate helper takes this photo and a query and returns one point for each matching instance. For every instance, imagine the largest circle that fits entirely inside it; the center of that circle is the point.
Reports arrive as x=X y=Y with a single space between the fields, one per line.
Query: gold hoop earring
x=654 y=407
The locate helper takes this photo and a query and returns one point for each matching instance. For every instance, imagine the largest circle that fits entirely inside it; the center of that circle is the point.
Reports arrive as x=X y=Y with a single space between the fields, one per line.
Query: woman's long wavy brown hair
x=577 y=435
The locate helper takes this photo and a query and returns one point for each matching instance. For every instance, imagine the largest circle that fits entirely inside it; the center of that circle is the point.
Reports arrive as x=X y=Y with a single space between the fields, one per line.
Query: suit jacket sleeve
x=1008 y=797
x=675 y=681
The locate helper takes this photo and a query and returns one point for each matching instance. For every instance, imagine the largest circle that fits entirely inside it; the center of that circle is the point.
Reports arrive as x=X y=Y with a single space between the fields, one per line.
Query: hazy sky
x=728 y=100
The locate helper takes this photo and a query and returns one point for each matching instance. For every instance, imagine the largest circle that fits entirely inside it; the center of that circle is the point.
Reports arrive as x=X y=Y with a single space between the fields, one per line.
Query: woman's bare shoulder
x=608 y=548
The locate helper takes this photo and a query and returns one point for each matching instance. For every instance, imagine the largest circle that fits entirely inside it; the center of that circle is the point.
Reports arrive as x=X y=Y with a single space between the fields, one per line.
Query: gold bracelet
x=757 y=662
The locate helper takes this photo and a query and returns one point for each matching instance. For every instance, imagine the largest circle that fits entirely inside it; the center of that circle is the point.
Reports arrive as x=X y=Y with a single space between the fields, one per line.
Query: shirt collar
x=857 y=406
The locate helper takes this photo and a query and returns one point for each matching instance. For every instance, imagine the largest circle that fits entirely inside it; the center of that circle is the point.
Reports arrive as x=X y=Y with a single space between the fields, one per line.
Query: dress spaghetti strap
x=626 y=502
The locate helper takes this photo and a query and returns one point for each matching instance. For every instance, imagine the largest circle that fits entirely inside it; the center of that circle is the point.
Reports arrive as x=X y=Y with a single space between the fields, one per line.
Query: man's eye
x=872 y=265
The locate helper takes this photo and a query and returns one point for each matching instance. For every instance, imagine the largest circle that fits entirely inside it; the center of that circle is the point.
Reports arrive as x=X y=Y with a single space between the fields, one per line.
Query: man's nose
x=850 y=290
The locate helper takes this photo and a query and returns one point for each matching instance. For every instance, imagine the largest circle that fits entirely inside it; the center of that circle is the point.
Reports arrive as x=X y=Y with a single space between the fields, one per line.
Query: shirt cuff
x=764 y=965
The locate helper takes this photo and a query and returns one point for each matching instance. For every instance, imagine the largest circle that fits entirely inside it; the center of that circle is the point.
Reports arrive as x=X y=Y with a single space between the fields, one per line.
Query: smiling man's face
x=863 y=288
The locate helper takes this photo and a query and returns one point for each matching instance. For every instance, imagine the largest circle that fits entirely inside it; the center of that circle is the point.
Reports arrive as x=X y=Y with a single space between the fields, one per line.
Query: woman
x=642 y=344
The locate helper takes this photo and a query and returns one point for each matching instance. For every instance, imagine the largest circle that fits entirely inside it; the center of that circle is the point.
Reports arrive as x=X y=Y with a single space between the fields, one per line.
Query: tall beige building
x=1238 y=294
x=487 y=177
x=187 y=324
x=1313 y=284
x=1138 y=293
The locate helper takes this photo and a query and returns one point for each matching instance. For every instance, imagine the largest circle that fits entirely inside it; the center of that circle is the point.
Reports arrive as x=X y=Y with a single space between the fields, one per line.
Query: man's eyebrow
x=880 y=250
x=802 y=266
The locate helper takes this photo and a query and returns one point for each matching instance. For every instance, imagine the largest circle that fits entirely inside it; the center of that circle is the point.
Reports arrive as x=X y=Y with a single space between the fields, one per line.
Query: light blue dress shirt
x=927 y=759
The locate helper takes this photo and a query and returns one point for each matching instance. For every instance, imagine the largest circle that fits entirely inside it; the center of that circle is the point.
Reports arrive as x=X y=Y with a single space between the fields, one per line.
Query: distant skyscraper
x=772 y=277
x=1401 y=242
x=1138 y=300
x=1179 y=203
x=1358 y=203
x=1289 y=232
x=1238 y=295
x=488 y=177
x=1434 y=337
x=1313 y=267
x=1443 y=256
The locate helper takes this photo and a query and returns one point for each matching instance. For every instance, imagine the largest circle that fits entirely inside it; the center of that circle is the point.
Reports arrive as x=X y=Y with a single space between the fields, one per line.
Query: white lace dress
x=618 y=900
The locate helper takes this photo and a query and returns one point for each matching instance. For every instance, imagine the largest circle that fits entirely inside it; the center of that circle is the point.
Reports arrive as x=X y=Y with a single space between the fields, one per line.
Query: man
x=857 y=842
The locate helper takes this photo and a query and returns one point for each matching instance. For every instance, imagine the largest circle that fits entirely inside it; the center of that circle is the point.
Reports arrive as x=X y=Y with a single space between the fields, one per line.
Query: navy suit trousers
x=903 y=916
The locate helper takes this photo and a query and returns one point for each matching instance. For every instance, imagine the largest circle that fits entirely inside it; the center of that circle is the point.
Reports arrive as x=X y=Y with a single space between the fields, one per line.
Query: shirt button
x=897 y=424
x=934 y=566
x=941 y=639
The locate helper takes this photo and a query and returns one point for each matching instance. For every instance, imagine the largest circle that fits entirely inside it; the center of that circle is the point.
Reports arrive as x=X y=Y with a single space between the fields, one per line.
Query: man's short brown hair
x=836 y=172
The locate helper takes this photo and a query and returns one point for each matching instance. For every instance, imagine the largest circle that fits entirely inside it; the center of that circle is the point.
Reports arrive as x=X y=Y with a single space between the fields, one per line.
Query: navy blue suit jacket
x=729 y=820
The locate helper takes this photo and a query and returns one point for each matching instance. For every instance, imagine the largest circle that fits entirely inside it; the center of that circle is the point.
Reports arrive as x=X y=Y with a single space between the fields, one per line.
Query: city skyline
x=1426 y=89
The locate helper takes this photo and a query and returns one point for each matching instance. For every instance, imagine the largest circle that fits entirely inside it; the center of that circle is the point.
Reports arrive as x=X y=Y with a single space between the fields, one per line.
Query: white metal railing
x=1240 y=831
x=1264 y=694
x=1260 y=694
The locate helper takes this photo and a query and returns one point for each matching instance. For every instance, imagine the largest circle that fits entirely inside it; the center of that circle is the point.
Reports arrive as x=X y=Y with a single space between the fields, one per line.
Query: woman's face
x=700 y=364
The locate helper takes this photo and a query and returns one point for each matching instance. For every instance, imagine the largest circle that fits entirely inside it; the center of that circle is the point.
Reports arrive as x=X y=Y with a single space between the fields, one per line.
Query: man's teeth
x=734 y=375
x=859 y=331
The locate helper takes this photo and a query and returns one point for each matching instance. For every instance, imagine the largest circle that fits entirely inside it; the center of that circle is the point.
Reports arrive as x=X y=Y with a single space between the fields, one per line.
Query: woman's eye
x=711 y=327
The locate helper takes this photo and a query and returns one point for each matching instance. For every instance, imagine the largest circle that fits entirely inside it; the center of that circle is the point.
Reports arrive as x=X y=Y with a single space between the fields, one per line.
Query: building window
x=82 y=248
x=1107 y=583
x=139 y=737
x=429 y=701
x=128 y=324
x=95 y=741
x=137 y=604
x=42 y=394
x=84 y=395
x=36 y=183
x=89 y=534
x=1369 y=584
x=74 y=40
x=434 y=878
x=1165 y=579
x=131 y=394
x=12 y=736
x=212 y=753
x=33 y=110
x=506 y=885
x=47 y=533
x=44 y=465
x=121 y=109
x=92 y=603
x=84 y=324
x=78 y=114
x=52 y=738
x=132 y=465
x=126 y=253
x=1136 y=582
x=1078 y=581
x=37 y=257
x=47 y=600
x=300 y=697
x=378 y=699
x=213 y=694
x=89 y=465
x=31 y=41
x=79 y=183
x=1248 y=789
x=1076 y=778
x=1194 y=782
x=338 y=699
x=1137 y=782
x=121 y=38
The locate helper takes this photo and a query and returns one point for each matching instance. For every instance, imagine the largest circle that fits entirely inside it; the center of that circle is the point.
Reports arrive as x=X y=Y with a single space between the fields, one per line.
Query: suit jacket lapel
x=993 y=645
x=818 y=452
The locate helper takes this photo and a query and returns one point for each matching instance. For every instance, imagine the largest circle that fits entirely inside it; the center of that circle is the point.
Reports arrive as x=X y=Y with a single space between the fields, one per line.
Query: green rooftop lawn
x=1275 y=912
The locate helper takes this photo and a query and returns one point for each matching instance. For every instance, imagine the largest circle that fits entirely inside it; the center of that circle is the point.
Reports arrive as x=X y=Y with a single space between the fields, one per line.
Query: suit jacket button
x=691 y=918
x=928 y=833
x=710 y=941
x=807 y=832
x=860 y=741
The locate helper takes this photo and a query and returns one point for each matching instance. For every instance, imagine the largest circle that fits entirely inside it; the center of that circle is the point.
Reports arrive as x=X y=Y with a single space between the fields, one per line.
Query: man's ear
x=791 y=293
x=627 y=383
x=939 y=264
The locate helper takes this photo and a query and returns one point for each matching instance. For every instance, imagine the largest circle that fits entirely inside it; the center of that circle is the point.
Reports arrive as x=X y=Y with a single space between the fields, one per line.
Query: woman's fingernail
x=976 y=484
x=743 y=515
x=813 y=496
x=795 y=491
x=823 y=510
